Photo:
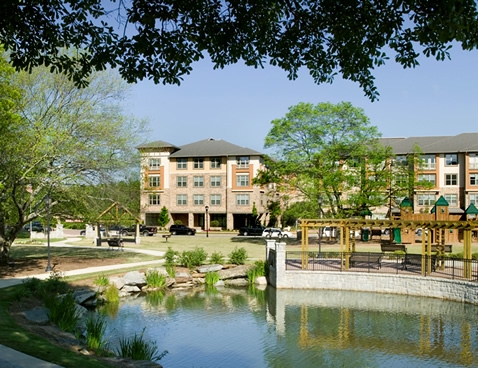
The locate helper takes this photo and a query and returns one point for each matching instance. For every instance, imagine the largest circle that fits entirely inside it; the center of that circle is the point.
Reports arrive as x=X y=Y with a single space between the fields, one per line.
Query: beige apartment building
x=450 y=164
x=210 y=178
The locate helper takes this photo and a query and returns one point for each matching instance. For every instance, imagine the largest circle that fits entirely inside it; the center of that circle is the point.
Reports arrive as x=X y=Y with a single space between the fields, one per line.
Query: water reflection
x=301 y=328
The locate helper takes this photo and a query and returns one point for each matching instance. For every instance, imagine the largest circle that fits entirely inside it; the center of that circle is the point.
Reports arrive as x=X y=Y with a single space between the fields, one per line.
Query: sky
x=238 y=103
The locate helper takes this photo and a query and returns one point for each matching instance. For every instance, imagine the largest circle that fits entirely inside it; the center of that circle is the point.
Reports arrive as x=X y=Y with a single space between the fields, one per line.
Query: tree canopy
x=160 y=40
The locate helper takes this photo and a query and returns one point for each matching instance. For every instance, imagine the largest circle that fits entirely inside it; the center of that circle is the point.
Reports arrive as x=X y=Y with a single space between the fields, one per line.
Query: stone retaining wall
x=280 y=278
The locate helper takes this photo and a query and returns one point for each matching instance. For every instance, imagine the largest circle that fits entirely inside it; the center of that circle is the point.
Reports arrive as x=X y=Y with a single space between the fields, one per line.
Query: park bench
x=115 y=243
x=415 y=260
x=166 y=236
x=393 y=247
x=366 y=259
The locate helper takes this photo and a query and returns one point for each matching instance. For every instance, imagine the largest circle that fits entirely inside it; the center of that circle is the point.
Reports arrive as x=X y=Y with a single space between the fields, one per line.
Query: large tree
x=59 y=142
x=160 y=40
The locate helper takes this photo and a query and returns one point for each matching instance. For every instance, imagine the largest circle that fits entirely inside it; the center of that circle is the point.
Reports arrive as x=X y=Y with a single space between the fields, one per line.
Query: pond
x=234 y=327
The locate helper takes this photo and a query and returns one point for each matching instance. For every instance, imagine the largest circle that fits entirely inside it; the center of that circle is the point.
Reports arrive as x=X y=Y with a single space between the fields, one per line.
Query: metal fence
x=384 y=263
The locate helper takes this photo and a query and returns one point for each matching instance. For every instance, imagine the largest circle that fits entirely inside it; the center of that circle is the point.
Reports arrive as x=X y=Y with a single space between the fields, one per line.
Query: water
x=300 y=328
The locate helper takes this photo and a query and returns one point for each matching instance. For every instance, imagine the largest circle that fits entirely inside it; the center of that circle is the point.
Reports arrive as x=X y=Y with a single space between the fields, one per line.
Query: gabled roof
x=465 y=142
x=211 y=147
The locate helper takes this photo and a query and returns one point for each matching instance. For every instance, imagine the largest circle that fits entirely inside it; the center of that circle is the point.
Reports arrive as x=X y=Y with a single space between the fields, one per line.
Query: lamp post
x=47 y=202
x=206 y=222
x=320 y=227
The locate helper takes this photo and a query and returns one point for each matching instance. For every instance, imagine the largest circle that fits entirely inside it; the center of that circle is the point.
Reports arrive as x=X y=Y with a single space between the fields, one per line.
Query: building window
x=401 y=160
x=242 y=199
x=182 y=181
x=154 y=199
x=452 y=199
x=428 y=162
x=215 y=199
x=473 y=198
x=215 y=181
x=473 y=161
x=198 y=199
x=427 y=178
x=215 y=163
x=181 y=163
x=154 y=163
x=473 y=179
x=243 y=162
x=154 y=181
x=242 y=180
x=182 y=199
x=451 y=159
x=198 y=181
x=451 y=179
x=426 y=199
x=199 y=163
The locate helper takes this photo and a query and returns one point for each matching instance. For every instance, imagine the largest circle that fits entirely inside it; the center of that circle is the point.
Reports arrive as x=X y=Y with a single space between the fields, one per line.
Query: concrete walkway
x=10 y=358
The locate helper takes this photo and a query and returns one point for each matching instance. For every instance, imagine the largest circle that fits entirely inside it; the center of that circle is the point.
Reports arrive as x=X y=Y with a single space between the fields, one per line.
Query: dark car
x=35 y=226
x=181 y=230
x=118 y=230
x=143 y=230
x=251 y=231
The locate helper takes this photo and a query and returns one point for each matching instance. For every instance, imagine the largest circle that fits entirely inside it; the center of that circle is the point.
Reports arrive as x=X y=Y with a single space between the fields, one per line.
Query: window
x=154 y=199
x=451 y=179
x=243 y=162
x=473 y=198
x=182 y=181
x=215 y=199
x=199 y=181
x=473 y=179
x=426 y=199
x=154 y=163
x=154 y=181
x=401 y=180
x=199 y=163
x=215 y=163
x=473 y=161
x=452 y=199
x=428 y=162
x=215 y=181
x=242 y=180
x=242 y=199
x=401 y=160
x=182 y=199
x=198 y=199
x=451 y=159
x=429 y=178
x=181 y=163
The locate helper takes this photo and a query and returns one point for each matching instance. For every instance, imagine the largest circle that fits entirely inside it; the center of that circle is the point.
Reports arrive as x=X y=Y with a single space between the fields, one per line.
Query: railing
x=383 y=263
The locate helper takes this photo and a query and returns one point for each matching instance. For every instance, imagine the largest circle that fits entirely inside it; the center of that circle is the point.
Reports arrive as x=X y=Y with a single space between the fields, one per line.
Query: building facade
x=209 y=180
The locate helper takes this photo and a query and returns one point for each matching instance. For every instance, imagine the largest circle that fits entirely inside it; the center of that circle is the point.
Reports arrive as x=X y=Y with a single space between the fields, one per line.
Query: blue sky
x=238 y=103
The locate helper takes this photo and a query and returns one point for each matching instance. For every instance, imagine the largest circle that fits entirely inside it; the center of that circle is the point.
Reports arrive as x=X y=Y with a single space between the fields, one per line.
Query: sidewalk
x=10 y=358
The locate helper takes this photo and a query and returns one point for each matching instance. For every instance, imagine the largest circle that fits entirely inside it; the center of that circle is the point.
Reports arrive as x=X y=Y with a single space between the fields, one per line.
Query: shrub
x=137 y=348
x=216 y=258
x=171 y=271
x=62 y=311
x=178 y=222
x=155 y=279
x=170 y=257
x=112 y=294
x=193 y=258
x=101 y=280
x=214 y=223
x=258 y=270
x=238 y=256
x=211 y=278
x=95 y=332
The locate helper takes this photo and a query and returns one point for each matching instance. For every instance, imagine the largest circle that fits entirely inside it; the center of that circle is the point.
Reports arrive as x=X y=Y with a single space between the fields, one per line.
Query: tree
x=160 y=40
x=163 y=218
x=62 y=144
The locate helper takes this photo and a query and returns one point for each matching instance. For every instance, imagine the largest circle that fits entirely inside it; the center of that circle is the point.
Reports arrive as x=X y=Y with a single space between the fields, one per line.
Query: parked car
x=143 y=230
x=181 y=230
x=102 y=230
x=329 y=232
x=272 y=232
x=118 y=230
x=251 y=230
x=35 y=226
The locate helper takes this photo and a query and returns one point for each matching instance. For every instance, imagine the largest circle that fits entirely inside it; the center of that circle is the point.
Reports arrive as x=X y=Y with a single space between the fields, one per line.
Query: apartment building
x=450 y=164
x=210 y=178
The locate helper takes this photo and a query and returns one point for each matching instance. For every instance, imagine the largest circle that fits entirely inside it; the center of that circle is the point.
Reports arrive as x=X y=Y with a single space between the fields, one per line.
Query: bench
x=166 y=236
x=416 y=261
x=447 y=248
x=393 y=247
x=366 y=259
x=115 y=243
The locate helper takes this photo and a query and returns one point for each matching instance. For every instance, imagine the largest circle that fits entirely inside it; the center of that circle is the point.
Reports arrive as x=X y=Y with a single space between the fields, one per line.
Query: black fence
x=384 y=263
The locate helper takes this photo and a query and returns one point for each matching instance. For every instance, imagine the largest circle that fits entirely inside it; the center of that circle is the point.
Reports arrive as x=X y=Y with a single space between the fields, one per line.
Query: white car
x=272 y=232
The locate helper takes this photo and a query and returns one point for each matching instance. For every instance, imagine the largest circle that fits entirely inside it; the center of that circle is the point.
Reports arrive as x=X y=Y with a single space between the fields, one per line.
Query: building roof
x=211 y=147
x=464 y=142
x=157 y=144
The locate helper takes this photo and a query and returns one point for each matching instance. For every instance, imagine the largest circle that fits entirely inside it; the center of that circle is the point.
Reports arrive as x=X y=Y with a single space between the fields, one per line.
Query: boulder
x=209 y=268
x=235 y=272
x=84 y=295
x=181 y=277
x=117 y=281
x=236 y=282
x=131 y=289
x=261 y=280
x=37 y=315
x=134 y=278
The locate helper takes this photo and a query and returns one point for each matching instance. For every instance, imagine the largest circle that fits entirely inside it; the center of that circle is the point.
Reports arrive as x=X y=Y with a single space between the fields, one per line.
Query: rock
x=37 y=315
x=234 y=273
x=117 y=281
x=160 y=270
x=236 y=282
x=83 y=295
x=261 y=280
x=209 y=268
x=220 y=283
x=183 y=285
x=131 y=289
x=182 y=277
x=134 y=278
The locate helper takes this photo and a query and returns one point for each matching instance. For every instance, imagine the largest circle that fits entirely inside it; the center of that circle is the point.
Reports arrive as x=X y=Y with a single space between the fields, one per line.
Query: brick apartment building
x=209 y=173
